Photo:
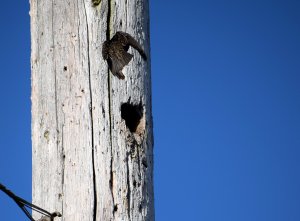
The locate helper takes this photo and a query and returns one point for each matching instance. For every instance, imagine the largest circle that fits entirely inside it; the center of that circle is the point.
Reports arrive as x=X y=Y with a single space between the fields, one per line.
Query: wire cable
x=24 y=205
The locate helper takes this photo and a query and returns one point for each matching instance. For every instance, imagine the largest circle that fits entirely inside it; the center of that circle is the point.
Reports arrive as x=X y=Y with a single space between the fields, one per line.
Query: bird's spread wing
x=127 y=39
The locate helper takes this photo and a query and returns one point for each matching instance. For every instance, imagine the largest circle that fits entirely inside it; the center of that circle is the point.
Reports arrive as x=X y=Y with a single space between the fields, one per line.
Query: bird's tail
x=120 y=75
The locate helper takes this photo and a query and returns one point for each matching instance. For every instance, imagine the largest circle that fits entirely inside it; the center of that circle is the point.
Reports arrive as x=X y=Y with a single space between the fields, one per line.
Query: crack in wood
x=128 y=187
x=91 y=117
x=56 y=116
x=108 y=27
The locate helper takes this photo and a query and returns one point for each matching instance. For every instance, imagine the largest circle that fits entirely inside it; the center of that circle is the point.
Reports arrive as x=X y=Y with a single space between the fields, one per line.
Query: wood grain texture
x=87 y=164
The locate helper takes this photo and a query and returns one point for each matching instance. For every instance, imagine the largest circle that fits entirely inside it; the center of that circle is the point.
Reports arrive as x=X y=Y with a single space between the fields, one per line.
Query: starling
x=115 y=52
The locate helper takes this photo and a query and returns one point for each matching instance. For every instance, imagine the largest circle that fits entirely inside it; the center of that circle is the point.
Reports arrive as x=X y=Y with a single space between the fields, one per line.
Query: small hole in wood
x=133 y=114
x=46 y=135
x=65 y=68
x=115 y=208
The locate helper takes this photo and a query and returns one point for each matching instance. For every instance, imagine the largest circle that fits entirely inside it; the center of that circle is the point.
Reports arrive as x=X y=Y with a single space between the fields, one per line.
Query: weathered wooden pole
x=91 y=132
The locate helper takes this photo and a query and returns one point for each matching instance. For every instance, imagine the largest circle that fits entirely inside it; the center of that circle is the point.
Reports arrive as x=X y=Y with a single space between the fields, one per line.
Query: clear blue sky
x=226 y=106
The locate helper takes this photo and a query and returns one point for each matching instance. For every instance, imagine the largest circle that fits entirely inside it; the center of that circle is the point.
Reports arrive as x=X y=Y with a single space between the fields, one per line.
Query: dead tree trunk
x=91 y=132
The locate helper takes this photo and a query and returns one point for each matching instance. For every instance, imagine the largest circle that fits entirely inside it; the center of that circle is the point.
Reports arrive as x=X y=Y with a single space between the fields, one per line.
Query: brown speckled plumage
x=115 y=52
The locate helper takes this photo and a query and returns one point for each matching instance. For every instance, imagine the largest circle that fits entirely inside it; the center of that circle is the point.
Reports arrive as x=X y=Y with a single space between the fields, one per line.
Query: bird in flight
x=115 y=52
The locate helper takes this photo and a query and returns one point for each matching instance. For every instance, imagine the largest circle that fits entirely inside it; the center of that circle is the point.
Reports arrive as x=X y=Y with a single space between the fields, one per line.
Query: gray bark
x=87 y=164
